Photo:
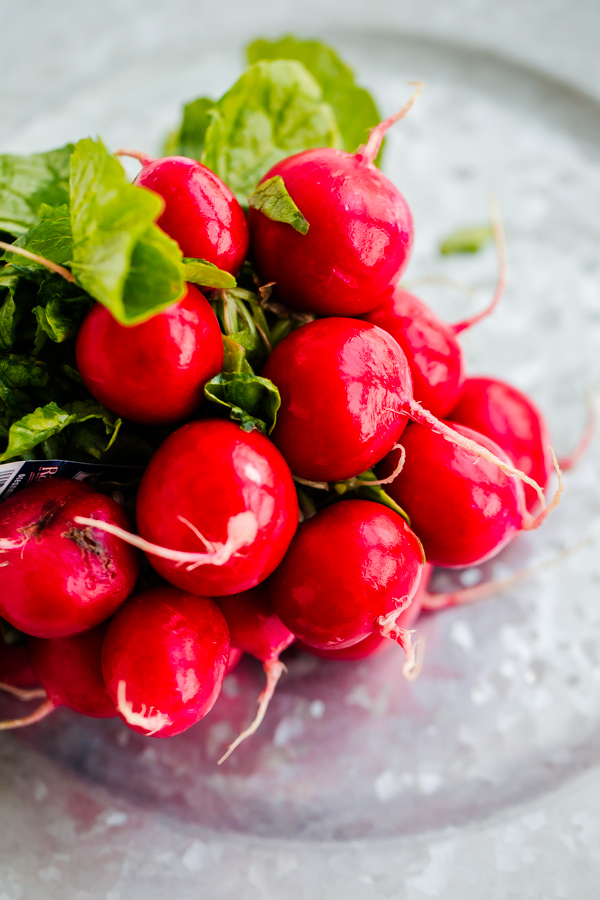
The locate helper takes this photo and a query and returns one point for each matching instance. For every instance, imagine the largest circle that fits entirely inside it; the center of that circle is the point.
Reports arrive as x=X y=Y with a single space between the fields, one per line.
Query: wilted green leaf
x=252 y=401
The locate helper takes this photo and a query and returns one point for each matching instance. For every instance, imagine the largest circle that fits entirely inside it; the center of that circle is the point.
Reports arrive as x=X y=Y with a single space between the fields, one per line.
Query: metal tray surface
x=358 y=782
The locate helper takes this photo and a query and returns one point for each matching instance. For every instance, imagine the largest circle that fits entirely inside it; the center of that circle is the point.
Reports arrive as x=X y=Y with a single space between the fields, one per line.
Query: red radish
x=69 y=670
x=376 y=642
x=152 y=373
x=256 y=629
x=346 y=397
x=164 y=659
x=235 y=658
x=360 y=230
x=430 y=345
x=214 y=486
x=465 y=510
x=57 y=578
x=510 y=419
x=201 y=213
x=433 y=353
x=351 y=570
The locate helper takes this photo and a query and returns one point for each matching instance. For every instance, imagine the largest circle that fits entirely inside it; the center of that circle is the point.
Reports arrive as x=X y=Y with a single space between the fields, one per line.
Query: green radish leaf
x=189 y=139
x=354 y=107
x=252 y=401
x=467 y=240
x=275 y=109
x=271 y=197
x=39 y=426
x=206 y=274
x=51 y=238
x=120 y=256
x=28 y=182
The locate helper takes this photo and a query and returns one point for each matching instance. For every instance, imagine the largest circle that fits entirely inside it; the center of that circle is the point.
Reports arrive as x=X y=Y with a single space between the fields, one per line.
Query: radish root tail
x=135 y=154
x=423 y=417
x=530 y=523
x=367 y=152
x=241 y=532
x=389 y=628
x=274 y=669
x=569 y=462
x=37 y=715
x=500 y=241
x=24 y=694
x=54 y=267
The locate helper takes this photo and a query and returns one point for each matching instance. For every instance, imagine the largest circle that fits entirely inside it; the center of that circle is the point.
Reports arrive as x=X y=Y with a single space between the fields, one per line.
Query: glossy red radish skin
x=359 y=240
x=430 y=345
x=58 y=578
x=256 y=629
x=202 y=477
x=164 y=659
x=375 y=643
x=201 y=212
x=511 y=419
x=70 y=673
x=342 y=384
x=350 y=571
x=235 y=658
x=152 y=373
x=465 y=510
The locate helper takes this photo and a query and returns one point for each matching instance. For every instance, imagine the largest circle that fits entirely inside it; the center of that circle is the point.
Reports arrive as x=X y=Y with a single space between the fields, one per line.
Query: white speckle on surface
x=287 y=730
x=49 y=874
x=429 y=782
x=470 y=577
x=231 y=687
x=536 y=820
x=482 y=693
x=387 y=785
x=317 y=709
x=462 y=635
x=115 y=818
x=40 y=791
x=196 y=857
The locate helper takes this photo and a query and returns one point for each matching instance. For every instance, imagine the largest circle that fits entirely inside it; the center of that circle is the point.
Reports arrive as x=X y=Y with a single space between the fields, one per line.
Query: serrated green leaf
x=43 y=423
x=271 y=197
x=252 y=401
x=199 y=271
x=120 y=256
x=467 y=240
x=27 y=182
x=355 y=110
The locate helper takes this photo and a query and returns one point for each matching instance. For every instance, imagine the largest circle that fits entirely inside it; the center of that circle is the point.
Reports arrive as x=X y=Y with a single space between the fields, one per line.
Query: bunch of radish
x=384 y=459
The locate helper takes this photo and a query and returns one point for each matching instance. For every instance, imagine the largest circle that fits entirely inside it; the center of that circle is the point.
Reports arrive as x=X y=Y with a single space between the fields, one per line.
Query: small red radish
x=235 y=658
x=164 y=659
x=511 y=419
x=70 y=672
x=351 y=570
x=152 y=373
x=201 y=212
x=465 y=510
x=346 y=397
x=256 y=629
x=376 y=642
x=219 y=499
x=56 y=577
x=360 y=230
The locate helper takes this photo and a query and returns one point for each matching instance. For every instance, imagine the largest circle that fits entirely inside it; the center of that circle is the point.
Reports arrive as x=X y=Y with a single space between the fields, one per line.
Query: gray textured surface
x=484 y=772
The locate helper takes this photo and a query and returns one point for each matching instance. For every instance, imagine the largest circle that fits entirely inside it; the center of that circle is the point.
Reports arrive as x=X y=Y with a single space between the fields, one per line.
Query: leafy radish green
x=354 y=108
x=271 y=197
x=26 y=182
x=276 y=108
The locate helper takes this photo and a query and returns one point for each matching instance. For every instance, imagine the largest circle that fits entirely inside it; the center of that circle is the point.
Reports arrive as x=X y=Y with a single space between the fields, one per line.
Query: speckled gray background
x=480 y=780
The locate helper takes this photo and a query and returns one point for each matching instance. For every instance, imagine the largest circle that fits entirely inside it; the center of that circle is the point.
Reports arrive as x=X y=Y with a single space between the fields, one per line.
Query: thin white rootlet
x=150 y=720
